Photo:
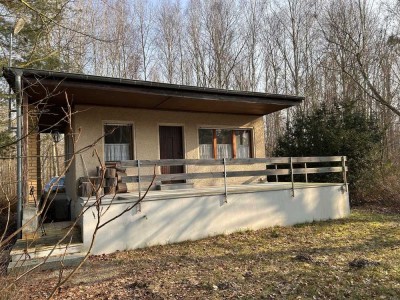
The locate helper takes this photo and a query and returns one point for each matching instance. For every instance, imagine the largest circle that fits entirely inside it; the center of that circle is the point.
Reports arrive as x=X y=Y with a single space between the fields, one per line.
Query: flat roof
x=50 y=89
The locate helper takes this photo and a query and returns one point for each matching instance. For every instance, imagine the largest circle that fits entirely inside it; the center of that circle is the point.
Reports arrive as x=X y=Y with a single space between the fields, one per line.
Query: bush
x=336 y=130
x=381 y=186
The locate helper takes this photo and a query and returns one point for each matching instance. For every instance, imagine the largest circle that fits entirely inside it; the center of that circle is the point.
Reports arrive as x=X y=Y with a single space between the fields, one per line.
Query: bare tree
x=196 y=43
x=249 y=70
x=169 y=27
x=143 y=18
x=354 y=31
x=224 y=46
x=364 y=48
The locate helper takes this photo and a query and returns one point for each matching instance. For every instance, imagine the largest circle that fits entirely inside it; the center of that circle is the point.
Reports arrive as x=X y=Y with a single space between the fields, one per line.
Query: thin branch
x=28 y=5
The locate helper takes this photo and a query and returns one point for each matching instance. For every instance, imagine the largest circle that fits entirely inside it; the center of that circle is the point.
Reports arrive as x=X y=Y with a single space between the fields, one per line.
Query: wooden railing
x=282 y=166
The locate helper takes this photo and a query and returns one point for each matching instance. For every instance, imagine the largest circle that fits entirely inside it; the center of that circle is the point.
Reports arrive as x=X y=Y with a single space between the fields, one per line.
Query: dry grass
x=380 y=187
x=308 y=261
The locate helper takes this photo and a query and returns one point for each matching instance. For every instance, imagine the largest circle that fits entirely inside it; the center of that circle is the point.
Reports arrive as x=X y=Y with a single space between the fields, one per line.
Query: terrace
x=173 y=215
x=165 y=215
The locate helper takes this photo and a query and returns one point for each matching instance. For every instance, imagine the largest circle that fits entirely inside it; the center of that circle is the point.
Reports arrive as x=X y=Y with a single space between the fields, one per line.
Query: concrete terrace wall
x=191 y=218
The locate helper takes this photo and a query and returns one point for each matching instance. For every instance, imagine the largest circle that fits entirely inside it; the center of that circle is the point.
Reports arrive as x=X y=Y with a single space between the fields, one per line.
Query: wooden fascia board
x=166 y=92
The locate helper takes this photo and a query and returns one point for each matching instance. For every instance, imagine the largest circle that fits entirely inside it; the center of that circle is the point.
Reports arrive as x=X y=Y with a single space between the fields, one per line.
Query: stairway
x=43 y=251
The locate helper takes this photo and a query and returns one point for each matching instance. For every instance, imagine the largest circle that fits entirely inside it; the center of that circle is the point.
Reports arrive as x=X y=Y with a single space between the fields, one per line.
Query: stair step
x=52 y=263
x=43 y=251
x=174 y=186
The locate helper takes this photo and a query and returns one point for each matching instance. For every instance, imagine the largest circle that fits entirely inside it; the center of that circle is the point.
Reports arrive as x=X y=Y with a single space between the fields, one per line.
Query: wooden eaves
x=50 y=88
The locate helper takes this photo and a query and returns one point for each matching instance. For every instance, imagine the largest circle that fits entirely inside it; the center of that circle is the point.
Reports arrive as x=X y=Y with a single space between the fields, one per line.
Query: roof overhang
x=52 y=89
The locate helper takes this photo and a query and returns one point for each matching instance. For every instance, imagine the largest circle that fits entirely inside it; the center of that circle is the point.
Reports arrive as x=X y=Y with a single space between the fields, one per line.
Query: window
x=118 y=144
x=243 y=143
x=225 y=143
x=206 y=143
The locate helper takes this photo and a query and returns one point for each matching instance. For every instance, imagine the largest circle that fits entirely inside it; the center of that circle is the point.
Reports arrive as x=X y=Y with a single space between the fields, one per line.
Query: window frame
x=233 y=140
x=132 y=143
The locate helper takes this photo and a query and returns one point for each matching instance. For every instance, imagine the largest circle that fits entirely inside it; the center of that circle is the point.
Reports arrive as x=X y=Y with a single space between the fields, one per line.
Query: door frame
x=182 y=125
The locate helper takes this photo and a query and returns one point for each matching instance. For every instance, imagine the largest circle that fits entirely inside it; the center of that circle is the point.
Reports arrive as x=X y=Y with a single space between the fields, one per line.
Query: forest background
x=342 y=55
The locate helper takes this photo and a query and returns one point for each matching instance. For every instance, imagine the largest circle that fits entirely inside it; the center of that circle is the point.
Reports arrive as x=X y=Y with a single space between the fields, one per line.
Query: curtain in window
x=242 y=151
x=118 y=142
x=206 y=151
x=116 y=152
x=224 y=143
x=242 y=143
x=224 y=151
x=206 y=143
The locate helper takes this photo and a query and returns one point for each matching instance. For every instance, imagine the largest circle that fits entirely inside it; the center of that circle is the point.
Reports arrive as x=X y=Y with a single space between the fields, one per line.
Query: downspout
x=9 y=89
x=18 y=96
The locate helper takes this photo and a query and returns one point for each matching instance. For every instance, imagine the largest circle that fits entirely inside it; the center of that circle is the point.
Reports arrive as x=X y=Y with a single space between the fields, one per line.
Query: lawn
x=357 y=258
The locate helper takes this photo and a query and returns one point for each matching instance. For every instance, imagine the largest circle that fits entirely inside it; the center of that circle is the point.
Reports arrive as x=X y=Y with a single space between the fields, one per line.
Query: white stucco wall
x=191 y=218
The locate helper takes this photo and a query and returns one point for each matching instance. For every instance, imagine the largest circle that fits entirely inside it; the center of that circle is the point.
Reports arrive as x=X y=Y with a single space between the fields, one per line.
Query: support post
x=276 y=176
x=225 y=185
x=25 y=145
x=11 y=49
x=18 y=93
x=55 y=158
x=344 y=173
x=306 y=175
x=138 y=207
x=9 y=89
x=292 y=175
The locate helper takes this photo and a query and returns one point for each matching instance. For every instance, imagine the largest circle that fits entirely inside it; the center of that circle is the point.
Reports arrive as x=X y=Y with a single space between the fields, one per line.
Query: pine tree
x=35 y=46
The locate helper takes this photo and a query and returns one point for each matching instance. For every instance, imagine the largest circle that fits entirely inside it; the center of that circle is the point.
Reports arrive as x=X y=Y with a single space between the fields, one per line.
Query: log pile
x=107 y=182
x=114 y=174
x=89 y=186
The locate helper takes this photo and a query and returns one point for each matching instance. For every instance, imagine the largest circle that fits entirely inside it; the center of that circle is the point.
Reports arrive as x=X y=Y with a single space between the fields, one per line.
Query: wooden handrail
x=231 y=161
x=229 y=174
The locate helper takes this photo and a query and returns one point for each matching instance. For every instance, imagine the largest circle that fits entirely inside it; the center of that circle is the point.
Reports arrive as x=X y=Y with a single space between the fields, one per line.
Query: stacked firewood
x=110 y=181
x=88 y=186
x=107 y=182
x=113 y=179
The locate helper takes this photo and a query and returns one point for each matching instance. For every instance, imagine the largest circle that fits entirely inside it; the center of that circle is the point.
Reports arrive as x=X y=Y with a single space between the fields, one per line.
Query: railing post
x=344 y=173
x=225 y=186
x=138 y=207
x=276 y=176
x=292 y=175
x=306 y=175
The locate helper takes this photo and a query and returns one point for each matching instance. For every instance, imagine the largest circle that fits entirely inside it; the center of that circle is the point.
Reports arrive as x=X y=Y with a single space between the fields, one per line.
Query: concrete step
x=52 y=263
x=174 y=186
x=39 y=251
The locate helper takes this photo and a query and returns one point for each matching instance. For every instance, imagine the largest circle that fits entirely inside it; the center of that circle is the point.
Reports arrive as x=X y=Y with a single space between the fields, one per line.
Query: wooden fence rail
x=288 y=167
x=231 y=161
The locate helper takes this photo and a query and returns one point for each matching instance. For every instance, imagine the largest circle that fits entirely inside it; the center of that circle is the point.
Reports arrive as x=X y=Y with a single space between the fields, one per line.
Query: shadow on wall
x=180 y=219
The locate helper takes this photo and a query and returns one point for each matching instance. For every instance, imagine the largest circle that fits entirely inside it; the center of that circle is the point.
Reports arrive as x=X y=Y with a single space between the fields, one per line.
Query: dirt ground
x=356 y=258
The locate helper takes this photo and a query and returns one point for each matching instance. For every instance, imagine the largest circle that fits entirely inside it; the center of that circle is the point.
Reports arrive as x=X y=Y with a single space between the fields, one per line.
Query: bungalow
x=206 y=147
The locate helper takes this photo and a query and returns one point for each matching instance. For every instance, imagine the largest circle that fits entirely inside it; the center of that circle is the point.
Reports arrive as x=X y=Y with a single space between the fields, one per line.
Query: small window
x=243 y=145
x=118 y=142
x=206 y=137
x=225 y=143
